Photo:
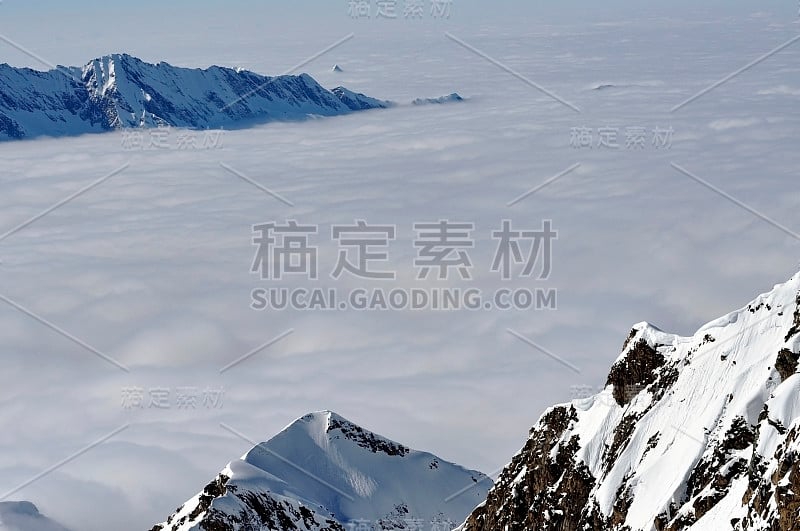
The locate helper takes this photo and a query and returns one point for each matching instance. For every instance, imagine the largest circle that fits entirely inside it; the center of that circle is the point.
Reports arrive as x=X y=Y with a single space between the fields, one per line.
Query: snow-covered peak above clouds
x=323 y=472
x=690 y=433
x=25 y=516
x=120 y=91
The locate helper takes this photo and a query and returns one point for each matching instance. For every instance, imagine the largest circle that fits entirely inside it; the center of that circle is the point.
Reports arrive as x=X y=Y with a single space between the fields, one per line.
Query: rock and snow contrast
x=24 y=516
x=690 y=433
x=450 y=98
x=324 y=473
x=121 y=91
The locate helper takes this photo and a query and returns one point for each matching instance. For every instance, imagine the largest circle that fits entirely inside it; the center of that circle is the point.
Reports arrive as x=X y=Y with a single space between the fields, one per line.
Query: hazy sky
x=206 y=32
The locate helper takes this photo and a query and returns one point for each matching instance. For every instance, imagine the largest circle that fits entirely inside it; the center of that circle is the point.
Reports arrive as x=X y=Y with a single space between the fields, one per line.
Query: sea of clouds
x=153 y=267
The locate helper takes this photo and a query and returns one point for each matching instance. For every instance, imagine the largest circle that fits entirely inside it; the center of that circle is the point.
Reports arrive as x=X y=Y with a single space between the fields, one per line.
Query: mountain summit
x=323 y=473
x=697 y=433
x=120 y=91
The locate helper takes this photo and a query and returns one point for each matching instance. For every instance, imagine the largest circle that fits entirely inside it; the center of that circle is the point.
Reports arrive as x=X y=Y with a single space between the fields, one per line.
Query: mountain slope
x=24 y=516
x=690 y=433
x=35 y=103
x=120 y=91
x=324 y=473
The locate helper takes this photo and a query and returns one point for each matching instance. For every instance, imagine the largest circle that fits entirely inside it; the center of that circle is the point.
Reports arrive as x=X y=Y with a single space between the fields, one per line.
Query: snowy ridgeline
x=121 y=91
x=323 y=472
x=696 y=433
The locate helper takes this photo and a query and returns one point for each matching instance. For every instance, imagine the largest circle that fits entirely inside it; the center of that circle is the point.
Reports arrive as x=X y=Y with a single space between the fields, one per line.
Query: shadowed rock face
x=364 y=438
x=535 y=483
x=786 y=364
x=120 y=91
x=690 y=433
x=635 y=371
x=257 y=511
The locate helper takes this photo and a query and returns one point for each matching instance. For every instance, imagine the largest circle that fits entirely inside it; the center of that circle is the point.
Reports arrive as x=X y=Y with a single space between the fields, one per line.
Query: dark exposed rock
x=620 y=510
x=262 y=511
x=634 y=372
x=366 y=439
x=652 y=442
x=213 y=490
x=786 y=363
x=796 y=322
x=537 y=491
x=781 y=488
x=622 y=435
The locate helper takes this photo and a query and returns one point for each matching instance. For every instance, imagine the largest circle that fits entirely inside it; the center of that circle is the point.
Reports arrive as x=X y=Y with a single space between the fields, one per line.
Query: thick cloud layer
x=152 y=268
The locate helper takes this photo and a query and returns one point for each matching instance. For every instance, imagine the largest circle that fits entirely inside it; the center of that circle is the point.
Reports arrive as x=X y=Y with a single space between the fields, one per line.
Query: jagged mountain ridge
x=121 y=91
x=324 y=473
x=697 y=433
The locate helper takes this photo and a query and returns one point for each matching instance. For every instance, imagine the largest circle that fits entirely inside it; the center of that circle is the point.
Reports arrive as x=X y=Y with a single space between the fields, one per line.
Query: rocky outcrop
x=365 y=439
x=689 y=434
x=786 y=363
x=635 y=371
x=534 y=487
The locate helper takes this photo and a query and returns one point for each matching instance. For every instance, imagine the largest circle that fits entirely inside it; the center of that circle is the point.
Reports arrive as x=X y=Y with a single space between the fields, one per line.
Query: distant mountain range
x=120 y=91
x=324 y=473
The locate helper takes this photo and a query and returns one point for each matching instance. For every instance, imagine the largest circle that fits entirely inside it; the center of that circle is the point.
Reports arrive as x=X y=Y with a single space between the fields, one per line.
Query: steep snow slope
x=690 y=433
x=119 y=90
x=24 y=516
x=325 y=473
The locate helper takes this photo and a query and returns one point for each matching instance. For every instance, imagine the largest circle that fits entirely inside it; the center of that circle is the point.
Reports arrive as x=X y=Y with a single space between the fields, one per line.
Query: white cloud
x=152 y=267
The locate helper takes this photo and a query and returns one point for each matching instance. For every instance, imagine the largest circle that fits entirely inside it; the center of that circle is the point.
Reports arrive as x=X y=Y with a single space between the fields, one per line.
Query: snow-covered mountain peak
x=326 y=428
x=324 y=472
x=331 y=432
x=690 y=433
x=100 y=74
x=121 y=91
